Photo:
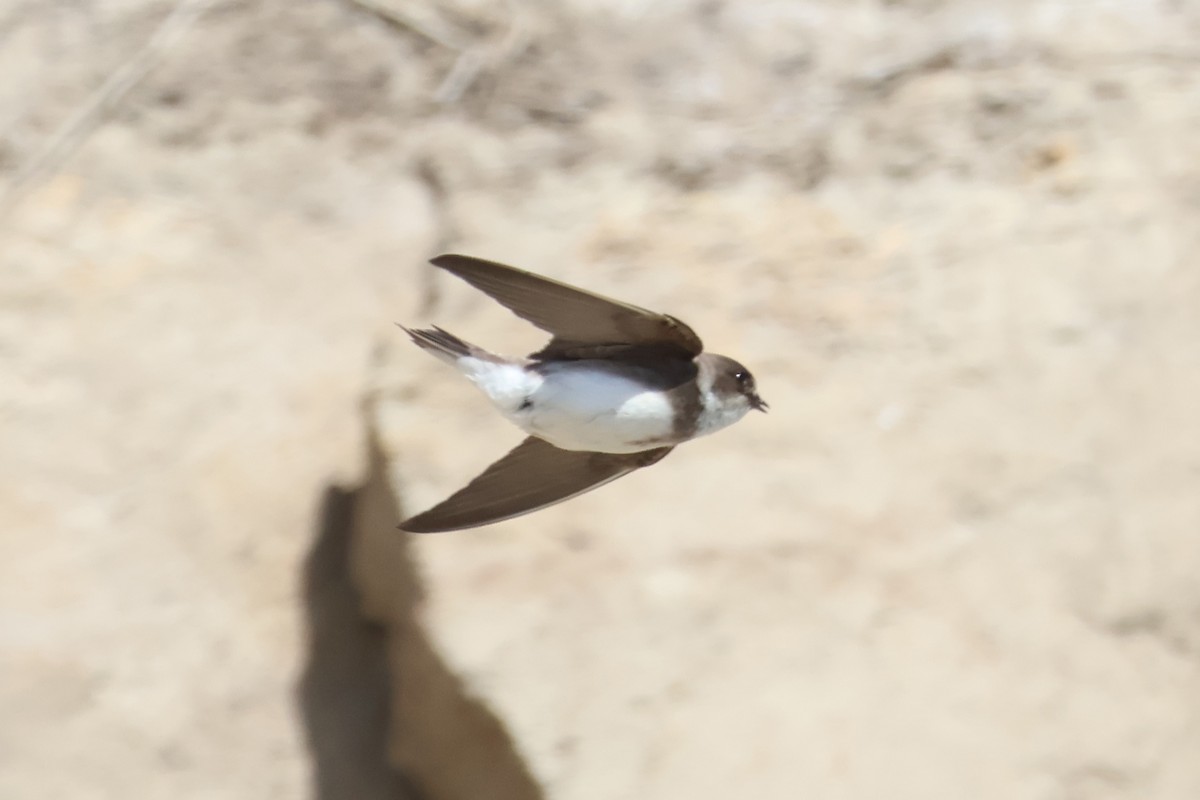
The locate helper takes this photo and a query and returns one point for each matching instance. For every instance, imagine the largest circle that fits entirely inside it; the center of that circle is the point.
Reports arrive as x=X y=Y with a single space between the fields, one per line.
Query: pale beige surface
x=955 y=241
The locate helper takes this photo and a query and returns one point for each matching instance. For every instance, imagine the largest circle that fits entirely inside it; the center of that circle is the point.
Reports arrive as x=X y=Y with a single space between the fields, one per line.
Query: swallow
x=616 y=389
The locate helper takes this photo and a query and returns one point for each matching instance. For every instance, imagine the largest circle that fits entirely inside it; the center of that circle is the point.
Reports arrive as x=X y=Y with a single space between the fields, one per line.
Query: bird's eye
x=741 y=376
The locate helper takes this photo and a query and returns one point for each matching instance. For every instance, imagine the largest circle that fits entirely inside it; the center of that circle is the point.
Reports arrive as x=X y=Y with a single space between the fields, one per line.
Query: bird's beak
x=758 y=404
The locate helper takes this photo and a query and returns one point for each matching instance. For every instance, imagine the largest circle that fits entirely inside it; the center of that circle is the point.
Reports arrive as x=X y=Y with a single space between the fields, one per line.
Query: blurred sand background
x=956 y=242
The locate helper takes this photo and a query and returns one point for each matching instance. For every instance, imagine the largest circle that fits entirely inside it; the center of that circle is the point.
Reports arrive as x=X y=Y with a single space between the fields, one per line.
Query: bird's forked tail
x=445 y=345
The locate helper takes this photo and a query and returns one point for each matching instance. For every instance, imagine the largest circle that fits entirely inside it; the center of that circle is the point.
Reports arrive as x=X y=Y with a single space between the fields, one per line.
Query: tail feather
x=445 y=345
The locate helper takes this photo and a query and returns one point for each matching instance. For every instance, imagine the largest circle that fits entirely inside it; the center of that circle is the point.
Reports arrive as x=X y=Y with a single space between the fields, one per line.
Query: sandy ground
x=954 y=240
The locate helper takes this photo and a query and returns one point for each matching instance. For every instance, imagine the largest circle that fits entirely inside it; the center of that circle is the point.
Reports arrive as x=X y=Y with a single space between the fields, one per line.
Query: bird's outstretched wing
x=583 y=324
x=532 y=475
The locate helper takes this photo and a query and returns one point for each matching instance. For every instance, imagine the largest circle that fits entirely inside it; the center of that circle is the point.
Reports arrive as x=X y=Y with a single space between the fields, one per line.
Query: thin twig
x=76 y=130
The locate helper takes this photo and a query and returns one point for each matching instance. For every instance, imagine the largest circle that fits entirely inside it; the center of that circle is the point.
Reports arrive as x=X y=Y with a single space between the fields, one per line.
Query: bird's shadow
x=345 y=688
x=385 y=717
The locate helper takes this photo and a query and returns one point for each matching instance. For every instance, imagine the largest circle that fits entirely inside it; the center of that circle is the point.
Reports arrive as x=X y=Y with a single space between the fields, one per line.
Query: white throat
x=718 y=412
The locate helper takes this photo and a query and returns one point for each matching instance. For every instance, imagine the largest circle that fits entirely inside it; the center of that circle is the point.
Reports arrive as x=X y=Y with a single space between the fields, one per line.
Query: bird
x=616 y=388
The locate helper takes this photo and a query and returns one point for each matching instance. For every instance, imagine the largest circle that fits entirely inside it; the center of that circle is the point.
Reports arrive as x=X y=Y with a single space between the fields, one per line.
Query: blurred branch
x=473 y=60
x=431 y=28
x=472 y=63
x=76 y=130
x=447 y=231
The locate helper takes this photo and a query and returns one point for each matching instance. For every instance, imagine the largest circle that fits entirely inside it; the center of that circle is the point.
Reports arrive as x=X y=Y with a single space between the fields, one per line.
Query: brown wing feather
x=532 y=475
x=578 y=319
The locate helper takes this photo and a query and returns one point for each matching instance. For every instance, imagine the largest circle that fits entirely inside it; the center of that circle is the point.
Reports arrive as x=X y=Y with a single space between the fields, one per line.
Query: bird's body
x=587 y=405
x=615 y=390
x=598 y=405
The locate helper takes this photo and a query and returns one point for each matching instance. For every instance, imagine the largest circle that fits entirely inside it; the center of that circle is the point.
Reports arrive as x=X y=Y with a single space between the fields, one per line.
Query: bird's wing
x=532 y=475
x=583 y=324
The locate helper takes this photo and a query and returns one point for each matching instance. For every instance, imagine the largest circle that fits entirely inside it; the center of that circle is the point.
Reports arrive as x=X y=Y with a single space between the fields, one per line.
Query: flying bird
x=615 y=390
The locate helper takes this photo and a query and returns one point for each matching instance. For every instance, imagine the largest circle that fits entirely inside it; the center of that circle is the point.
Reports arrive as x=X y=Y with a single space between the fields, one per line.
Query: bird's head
x=732 y=385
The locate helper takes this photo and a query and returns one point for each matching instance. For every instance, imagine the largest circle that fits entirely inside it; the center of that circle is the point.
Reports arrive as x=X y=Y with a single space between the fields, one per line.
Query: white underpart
x=506 y=385
x=576 y=406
